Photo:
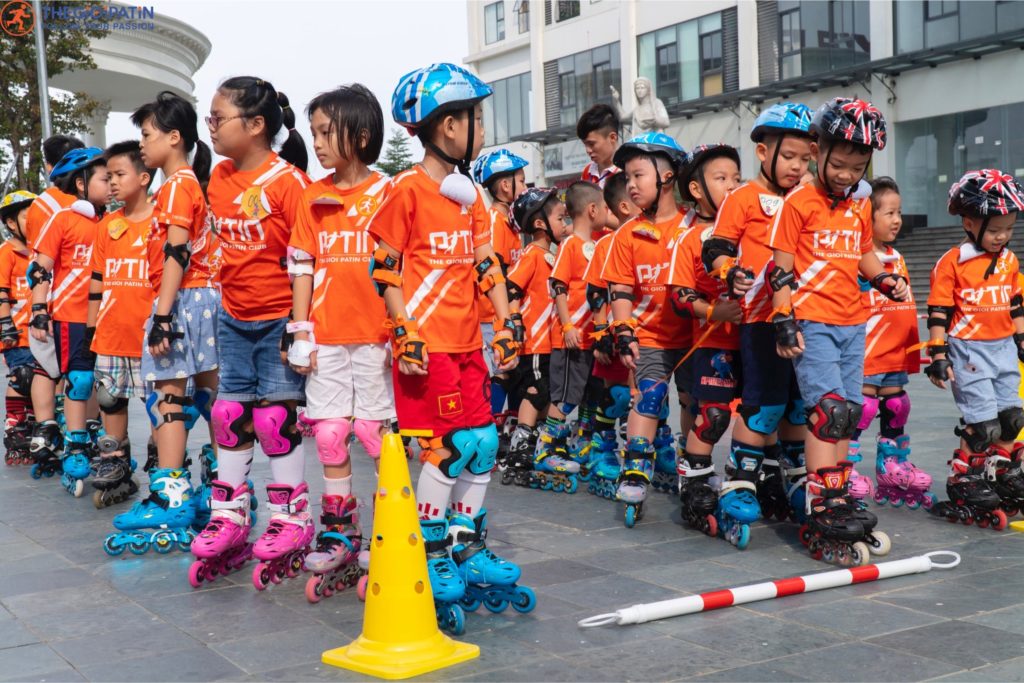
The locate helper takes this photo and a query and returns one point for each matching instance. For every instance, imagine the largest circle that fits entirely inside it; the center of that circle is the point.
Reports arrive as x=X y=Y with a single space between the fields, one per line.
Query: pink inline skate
x=860 y=486
x=335 y=562
x=283 y=546
x=222 y=547
x=899 y=480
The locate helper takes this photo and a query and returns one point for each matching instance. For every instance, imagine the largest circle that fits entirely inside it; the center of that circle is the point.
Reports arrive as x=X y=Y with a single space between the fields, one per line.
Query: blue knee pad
x=652 y=397
x=80 y=385
x=663 y=415
x=462 y=444
x=566 y=408
x=796 y=412
x=203 y=399
x=486 y=449
x=620 y=400
x=762 y=419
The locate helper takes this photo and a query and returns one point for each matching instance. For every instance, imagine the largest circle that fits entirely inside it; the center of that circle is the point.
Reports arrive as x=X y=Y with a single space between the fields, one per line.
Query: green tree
x=397 y=157
x=67 y=49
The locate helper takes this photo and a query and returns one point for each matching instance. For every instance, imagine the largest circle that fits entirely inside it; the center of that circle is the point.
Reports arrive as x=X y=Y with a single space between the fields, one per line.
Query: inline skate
x=223 y=546
x=635 y=478
x=697 y=493
x=666 y=478
x=113 y=479
x=971 y=496
x=1004 y=475
x=489 y=579
x=552 y=470
x=336 y=563
x=168 y=511
x=445 y=583
x=832 y=531
x=771 y=486
x=899 y=480
x=284 y=545
x=602 y=471
x=737 y=499
x=46 y=448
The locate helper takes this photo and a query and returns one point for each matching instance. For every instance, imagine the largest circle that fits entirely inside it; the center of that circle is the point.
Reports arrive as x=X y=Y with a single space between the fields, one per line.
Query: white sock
x=433 y=492
x=233 y=466
x=469 y=492
x=289 y=469
x=338 y=487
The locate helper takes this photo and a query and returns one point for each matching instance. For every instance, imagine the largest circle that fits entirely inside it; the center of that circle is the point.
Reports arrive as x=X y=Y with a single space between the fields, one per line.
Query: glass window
x=822 y=35
x=711 y=63
x=790 y=43
x=667 y=73
x=522 y=12
x=507 y=111
x=684 y=61
x=584 y=79
x=924 y=24
x=494 y=22
x=909 y=25
x=567 y=9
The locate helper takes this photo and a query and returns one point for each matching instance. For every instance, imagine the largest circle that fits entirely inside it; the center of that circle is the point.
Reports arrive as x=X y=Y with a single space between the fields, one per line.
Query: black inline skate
x=697 y=495
x=113 y=478
x=971 y=496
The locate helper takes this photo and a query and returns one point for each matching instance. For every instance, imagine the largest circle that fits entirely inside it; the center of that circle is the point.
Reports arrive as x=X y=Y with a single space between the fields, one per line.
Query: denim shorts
x=832 y=362
x=987 y=377
x=18 y=356
x=250 y=362
x=487 y=332
x=195 y=315
x=888 y=379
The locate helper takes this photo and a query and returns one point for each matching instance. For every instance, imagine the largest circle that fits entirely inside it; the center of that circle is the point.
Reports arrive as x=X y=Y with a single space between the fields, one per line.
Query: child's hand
x=409 y=368
x=728 y=311
x=602 y=357
x=789 y=340
x=572 y=338
x=302 y=369
x=940 y=371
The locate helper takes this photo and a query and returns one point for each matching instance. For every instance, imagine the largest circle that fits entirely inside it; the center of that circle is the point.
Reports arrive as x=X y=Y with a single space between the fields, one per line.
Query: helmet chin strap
x=463 y=163
x=977 y=243
x=707 y=196
x=771 y=176
x=652 y=211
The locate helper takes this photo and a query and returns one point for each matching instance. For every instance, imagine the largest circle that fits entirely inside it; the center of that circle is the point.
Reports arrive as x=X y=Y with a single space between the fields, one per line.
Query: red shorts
x=454 y=394
x=616 y=373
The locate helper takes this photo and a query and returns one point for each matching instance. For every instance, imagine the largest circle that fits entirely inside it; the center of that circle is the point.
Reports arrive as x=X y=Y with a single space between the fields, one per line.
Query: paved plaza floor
x=70 y=612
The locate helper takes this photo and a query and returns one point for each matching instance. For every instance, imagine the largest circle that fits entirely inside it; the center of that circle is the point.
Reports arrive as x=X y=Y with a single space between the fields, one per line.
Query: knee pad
x=832 y=421
x=796 y=412
x=652 y=397
x=275 y=428
x=856 y=411
x=20 y=379
x=542 y=398
x=1011 y=421
x=566 y=408
x=79 y=385
x=762 y=419
x=486 y=449
x=203 y=399
x=369 y=433
x=979 y=435
x=108 y=402
x=158 y=419
x=230 y=421
x=895 y=410
x=870 y=409
x=462 y=445
x=616 y=401
x=332 y=440
x=715 y=419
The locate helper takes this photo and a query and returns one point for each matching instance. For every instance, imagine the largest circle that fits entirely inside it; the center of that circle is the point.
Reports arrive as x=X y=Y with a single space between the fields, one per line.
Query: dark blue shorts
x=18 y=356
x=768 y=379
x=717 y=375
x=69 y=341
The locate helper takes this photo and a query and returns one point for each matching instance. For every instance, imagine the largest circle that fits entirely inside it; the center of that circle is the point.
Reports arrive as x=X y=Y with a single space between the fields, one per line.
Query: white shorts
x=351 y=380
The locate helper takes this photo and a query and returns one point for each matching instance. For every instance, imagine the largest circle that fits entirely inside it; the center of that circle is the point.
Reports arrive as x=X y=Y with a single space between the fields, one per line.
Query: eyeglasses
x=215 y=122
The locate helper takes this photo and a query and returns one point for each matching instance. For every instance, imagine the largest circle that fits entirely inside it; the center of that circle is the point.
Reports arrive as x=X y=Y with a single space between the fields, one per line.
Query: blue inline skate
x=737 y=498
x=77 y=464
x=46 y=447
x=169 y=511
x=604 y=466
x=552 y=468
x=581 y=435
x=635 y=478
x=445 y=582
x=490 y=580
x=113 y=478
x=666 y=478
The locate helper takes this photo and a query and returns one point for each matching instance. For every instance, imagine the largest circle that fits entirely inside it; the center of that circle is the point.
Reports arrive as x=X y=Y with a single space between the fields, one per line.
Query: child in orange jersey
x=340 y=339
x=890 y=333
x=120 y=299
x=976 y=324
x=602 y=468
x=63 y=247
x=822 y=239
x=650 y=338
x=540 y=214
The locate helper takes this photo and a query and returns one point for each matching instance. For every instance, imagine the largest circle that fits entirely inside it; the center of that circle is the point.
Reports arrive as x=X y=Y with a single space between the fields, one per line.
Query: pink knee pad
x=230 y=423
x=896 y=409
x=274 y=425
x=369 y=434
x=869 y=412
x=332 y=440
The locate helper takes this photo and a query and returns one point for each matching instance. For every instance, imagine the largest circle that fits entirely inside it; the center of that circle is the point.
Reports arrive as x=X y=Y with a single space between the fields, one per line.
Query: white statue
x=649 y=115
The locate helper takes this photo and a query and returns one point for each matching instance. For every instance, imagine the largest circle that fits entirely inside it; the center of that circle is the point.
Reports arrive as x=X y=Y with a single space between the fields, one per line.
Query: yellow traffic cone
x=400 y=636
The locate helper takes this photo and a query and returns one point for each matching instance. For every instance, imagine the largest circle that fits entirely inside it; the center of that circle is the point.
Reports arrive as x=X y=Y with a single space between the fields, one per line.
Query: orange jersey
x=255 y=212
x=331 y=227
x=744 y=219
x=594 y=274
x=687 y=270
x=639 y=257
x=508 y=245
x=180 y=202
x=437 y=238
x=120 y=255
x=531 y=273
x=574 y=255
x=590 y=174
x=67 y=238
x=981 y=306
x=13 y=266
x=827 y=244
x=892 y=325
x=42 y=209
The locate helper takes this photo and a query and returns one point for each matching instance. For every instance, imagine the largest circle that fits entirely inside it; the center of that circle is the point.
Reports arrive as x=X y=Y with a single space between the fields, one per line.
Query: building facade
x=946 y=74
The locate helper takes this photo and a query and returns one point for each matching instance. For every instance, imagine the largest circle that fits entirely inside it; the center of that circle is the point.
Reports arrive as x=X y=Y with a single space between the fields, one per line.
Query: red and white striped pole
x=639 y=614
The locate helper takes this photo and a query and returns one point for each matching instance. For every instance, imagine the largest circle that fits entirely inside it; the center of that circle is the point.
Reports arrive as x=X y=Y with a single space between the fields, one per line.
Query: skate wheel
x=469 y=604
x=896 y=502
x=163 y=543
x=880 y=544
x=631 y=516
x=35 y=473
x=78 y=488
x=454 y=620
x=817 y=554
x=525 y=600
x=97 y=500
x=914 y=504
x=138 y=547
x=185 y=546
x=859 y=554
x=361 y=587
x=999 y=520
x=711 y=525
x=260 y=576
x=196 y=574
x=880 y=499
x=112 y=547
x=805 y=535
x=982 y=522
x=496 y=606
x=1010 y=510
x=743 y=537
x=572 y=486
x=313 y=593
x=278 y=576
x=928 y=500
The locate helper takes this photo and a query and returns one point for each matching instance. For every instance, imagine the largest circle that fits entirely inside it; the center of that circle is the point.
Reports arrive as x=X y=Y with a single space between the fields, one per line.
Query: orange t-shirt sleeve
x=98 y=258
x=6 y=269
x=303 y=234
x=785 y=232
x=522 y=271
x=867 y=232
x=178 y=208
x=681 y=271
x=393 y=220
x=563 y=270
x=618 y=269
x=481 y=222
x=730 y=221
x=48 y=243
x=942 y=281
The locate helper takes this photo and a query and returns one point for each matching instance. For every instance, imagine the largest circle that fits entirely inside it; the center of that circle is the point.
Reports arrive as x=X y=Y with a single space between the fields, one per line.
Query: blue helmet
x=496 y=163
x=651 y=143
x=76 y=160
x=784 y=117
x=432 y=89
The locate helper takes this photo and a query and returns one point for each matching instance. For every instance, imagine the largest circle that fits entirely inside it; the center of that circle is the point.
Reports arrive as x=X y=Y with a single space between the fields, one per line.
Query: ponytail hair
x=172 y=112
x=257 y=97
